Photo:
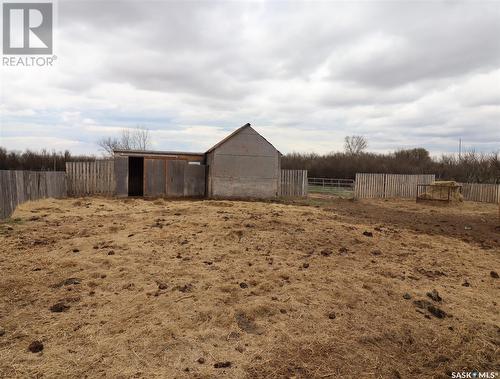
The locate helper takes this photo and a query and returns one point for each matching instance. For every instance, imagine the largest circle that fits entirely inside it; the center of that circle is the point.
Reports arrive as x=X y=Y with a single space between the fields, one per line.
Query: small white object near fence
x=89 y=178
x=384 y=186
x=293 y=183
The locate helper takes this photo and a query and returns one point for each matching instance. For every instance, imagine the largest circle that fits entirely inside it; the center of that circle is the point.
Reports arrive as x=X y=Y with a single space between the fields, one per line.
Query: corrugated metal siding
x=121 y=176
x=175 y=178
x=154 y=177
x=194 y=180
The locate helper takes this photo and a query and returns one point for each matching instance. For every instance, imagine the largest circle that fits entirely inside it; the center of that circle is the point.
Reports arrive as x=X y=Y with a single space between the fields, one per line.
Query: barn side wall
x=246 y=165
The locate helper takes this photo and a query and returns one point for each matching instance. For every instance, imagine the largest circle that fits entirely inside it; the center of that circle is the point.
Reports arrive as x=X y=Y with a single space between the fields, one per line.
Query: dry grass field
x=323 y=288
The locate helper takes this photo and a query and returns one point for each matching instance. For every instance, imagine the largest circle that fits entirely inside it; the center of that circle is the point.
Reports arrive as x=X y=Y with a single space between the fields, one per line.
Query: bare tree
x=354 y=145
x=136 y=139
x=108 y=144
x=141 y=139
x=126 y=140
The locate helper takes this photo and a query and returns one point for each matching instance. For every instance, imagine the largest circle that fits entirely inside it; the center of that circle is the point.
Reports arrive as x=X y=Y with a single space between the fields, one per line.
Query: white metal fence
x=341 y=187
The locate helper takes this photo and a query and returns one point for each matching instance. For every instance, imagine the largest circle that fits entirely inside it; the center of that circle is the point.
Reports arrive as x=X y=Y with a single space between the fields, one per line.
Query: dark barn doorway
x=135 y=176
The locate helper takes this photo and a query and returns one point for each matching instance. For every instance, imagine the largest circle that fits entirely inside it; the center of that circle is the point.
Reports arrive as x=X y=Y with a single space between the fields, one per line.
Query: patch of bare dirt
x=471 y=222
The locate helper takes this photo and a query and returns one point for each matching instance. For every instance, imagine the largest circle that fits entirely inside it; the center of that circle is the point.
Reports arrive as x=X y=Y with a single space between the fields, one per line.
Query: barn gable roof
x=175 y=153
x=241 y=128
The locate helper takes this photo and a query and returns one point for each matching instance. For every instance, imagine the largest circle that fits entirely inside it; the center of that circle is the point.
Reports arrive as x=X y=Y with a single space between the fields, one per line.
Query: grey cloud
x=439 y=40
x=200 y=47
x=390 y=70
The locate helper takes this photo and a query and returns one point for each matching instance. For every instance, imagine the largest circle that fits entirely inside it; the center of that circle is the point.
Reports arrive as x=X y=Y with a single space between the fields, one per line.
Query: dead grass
x=277 y=290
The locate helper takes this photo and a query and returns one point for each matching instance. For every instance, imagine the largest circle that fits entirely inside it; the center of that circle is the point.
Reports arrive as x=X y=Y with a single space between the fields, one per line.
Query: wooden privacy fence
x=16 y=187
x=173 y=178
x=164 y=178
x=487 y=193
x=293 y=183
x=89 y=178
x=389 y=185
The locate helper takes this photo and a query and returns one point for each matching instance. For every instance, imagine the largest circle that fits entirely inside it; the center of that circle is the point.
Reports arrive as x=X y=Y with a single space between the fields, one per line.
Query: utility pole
x=460 y=149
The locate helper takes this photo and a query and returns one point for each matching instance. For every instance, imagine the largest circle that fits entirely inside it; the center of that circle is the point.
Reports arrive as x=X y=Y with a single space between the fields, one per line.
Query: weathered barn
x=244 y=164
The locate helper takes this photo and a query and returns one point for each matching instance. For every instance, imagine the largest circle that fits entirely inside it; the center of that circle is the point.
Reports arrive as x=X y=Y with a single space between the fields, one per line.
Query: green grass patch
x=337 y=191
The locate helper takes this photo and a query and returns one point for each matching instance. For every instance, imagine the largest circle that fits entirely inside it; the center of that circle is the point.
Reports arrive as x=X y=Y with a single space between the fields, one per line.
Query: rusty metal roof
x=154 y=152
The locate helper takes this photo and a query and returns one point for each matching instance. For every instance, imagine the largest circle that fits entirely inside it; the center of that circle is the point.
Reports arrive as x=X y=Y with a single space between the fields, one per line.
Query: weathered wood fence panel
x=89 y=178
x=404 y=186
x=17 y=187
x=389 y=185
x=486 y=193
x=369 y=186
x=293 y=183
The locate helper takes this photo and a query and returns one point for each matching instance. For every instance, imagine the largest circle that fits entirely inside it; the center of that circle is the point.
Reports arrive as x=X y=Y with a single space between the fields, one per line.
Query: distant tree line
x=43 y=160
x=469 y=167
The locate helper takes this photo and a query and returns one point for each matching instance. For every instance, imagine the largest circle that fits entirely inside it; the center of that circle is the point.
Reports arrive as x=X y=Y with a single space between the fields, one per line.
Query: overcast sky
x=402 y=74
